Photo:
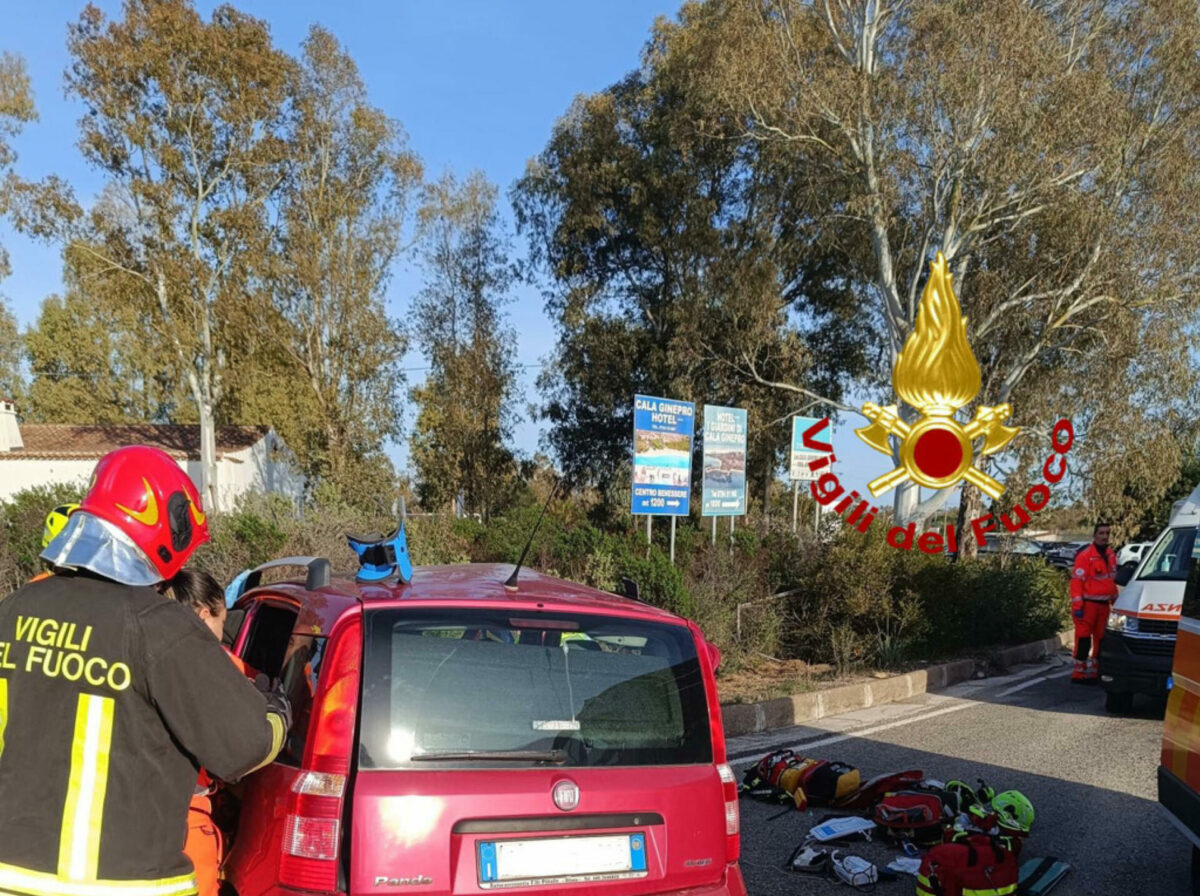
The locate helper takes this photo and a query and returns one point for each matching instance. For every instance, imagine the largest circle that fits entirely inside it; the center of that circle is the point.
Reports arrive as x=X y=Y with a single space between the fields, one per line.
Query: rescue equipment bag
x=971 y=865
x=869 y=793
x=782 y=776
x=915 y=815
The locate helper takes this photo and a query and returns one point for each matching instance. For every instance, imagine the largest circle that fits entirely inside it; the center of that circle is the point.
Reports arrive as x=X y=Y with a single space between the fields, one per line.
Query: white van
x=1132 y=553
x=1137 y=649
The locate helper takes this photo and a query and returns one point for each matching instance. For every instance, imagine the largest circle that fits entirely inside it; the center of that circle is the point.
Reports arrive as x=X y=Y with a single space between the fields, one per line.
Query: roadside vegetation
x=745 y=218
x=780 y=607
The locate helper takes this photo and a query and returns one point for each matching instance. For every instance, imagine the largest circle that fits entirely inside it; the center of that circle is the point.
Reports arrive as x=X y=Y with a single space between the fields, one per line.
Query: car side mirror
x=1125 y=573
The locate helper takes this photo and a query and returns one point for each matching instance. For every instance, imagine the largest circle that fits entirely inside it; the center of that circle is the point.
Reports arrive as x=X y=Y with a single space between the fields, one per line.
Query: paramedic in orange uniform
x=1093 y=590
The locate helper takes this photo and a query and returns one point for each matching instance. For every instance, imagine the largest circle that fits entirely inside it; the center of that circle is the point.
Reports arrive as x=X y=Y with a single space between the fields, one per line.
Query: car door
x=252 y=859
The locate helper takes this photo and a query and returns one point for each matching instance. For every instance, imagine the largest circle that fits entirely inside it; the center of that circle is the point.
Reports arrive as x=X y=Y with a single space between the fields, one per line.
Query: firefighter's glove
x=277 y=701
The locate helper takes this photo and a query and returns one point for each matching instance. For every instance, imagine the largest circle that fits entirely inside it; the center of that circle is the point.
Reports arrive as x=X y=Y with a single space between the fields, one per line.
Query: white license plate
x=559 y=860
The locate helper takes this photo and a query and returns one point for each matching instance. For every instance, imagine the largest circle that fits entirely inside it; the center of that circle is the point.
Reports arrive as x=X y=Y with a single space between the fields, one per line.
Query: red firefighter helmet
x=144 y=493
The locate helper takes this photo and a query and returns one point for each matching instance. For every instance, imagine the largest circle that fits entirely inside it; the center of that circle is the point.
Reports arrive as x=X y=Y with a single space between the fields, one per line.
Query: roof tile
x=63 y=441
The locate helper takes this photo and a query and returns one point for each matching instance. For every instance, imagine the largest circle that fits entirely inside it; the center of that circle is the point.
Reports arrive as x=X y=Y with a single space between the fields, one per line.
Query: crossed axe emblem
x=937 y=451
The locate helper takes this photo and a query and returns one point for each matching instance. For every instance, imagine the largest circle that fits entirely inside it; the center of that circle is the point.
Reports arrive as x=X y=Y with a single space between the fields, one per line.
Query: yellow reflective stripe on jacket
x=278 y=736
x=37 y=883
x=925 y=888
x=3 y=711
x=83 y=810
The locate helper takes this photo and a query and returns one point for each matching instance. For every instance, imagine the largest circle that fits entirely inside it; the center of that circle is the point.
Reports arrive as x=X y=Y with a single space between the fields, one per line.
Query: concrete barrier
x=785 y=712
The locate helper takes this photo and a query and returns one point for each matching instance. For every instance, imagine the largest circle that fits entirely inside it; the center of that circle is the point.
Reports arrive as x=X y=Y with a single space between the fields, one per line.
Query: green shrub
x=851 y=600
x=23 y=517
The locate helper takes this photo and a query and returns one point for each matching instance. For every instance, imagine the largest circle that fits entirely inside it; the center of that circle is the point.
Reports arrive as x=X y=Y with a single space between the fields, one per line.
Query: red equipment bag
x=915 y=815
x=969 y=865
x=868 y=794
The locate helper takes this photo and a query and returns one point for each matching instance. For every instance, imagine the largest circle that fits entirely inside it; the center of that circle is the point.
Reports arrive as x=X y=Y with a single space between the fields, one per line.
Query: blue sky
x=476 y=84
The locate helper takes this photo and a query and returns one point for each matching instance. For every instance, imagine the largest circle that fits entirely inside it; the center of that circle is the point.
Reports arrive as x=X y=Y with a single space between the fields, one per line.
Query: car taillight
x=733 y=818
x=709 y=657
x=312 y=830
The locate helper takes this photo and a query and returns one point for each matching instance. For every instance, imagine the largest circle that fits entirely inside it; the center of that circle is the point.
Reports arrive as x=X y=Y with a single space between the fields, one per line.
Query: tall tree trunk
x=766 y=498
x=209 y=487
x=905 y=502
x=970 y=505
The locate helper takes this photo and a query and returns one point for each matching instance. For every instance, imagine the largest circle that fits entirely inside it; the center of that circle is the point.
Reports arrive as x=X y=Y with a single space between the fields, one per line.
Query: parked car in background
x=1010 y=544
x=1132 y=553
x=460 y=733
x=1063 y=556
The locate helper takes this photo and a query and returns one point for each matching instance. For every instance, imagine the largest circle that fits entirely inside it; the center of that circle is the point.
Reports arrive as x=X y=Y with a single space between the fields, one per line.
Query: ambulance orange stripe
x=1183 y=708
x=1187 y=656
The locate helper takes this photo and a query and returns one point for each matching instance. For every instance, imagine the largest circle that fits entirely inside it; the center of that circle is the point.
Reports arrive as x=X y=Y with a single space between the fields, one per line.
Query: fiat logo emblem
x=566 y=795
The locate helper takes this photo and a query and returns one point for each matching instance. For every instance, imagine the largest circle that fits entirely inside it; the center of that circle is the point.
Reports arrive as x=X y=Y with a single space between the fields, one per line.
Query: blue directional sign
x=724 y=483
x=802 y=454
x=662 y=455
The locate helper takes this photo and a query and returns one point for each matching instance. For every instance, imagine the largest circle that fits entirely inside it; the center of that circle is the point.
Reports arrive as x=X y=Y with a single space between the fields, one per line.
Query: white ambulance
x=1136 y=652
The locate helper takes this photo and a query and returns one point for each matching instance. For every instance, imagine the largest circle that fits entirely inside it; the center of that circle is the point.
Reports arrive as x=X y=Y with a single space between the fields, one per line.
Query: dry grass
x=769 y=678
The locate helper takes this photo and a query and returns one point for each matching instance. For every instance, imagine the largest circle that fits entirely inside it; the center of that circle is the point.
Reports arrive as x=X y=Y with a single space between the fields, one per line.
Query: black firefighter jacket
x=110 y=697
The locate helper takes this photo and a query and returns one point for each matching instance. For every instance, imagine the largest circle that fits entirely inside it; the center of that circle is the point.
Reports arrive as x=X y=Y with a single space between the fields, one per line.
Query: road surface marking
x=1038 y=680
x=965 y=703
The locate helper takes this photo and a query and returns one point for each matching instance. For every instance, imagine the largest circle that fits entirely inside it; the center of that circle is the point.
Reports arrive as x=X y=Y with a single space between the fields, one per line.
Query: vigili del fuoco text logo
x=936 y=374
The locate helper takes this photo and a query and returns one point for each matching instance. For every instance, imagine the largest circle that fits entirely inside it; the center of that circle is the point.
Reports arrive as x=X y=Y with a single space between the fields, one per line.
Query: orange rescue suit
x=1095 y=575
x=1093 y=589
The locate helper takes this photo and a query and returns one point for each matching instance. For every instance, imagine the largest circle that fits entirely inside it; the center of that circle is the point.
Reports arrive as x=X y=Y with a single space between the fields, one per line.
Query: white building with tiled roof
x=249 y=458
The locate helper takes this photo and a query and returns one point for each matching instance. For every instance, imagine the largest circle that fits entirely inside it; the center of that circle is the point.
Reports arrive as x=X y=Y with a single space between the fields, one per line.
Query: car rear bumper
x=1130 y=665
x=731 y=884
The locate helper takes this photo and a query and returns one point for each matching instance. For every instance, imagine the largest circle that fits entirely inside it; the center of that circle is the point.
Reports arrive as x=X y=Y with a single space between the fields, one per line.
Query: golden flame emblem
x=937 y=374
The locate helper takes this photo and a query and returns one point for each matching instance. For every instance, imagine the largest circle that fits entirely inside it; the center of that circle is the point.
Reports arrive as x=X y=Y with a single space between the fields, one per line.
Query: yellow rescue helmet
x=56 y=520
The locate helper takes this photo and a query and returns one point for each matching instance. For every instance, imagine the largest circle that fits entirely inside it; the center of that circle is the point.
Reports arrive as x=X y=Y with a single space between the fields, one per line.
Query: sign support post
x=672 y=541
x=795 y=503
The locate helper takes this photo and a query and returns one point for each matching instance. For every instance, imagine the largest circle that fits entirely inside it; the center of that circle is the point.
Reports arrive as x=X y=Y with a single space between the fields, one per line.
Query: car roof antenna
x=511 y=582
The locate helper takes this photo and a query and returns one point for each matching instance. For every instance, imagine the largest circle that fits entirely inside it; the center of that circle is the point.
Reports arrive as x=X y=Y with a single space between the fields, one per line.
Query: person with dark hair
x=1093 y=590
x=110 y=695
x=198 y=590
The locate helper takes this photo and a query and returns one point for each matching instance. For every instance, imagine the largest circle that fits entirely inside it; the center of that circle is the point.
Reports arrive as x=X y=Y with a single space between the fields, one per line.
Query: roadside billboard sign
x=724 y=483
x=802 y=455
x=662 y=455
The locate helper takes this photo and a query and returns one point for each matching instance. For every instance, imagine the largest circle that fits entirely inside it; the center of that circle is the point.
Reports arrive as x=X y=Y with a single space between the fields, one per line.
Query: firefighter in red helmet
x=110 y=695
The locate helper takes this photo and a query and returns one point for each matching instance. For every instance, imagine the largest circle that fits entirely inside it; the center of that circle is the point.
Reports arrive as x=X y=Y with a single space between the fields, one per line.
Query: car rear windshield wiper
x=488 y=755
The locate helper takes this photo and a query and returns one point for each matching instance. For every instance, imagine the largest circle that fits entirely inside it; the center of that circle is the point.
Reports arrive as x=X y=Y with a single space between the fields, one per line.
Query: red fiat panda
x=454 y=735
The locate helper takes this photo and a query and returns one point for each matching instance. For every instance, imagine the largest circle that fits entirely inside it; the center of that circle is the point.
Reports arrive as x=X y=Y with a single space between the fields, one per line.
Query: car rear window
x=465 y=688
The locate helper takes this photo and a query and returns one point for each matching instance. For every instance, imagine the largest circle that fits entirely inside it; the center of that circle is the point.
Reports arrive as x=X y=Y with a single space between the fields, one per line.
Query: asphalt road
x=1090 y=776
